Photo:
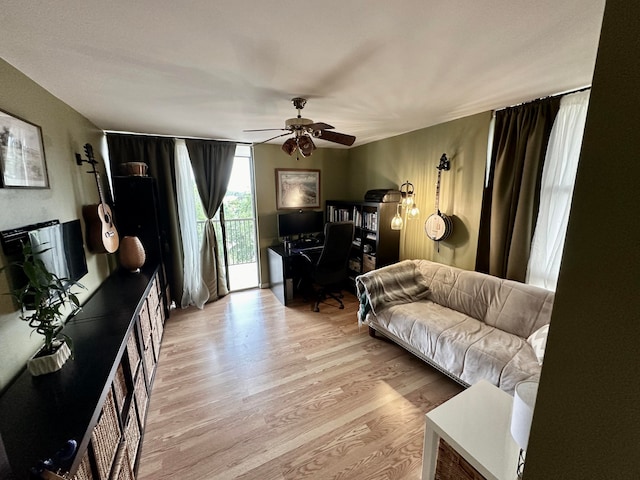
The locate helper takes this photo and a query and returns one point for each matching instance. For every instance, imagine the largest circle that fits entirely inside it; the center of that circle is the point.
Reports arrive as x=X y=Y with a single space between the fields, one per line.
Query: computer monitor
x=300 y=223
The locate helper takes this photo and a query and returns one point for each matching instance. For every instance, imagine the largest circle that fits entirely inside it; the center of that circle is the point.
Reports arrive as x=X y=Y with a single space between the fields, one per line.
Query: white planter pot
x=49 y=363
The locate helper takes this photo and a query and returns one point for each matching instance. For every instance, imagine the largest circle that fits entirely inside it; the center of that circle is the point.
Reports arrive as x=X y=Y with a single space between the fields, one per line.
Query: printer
x=383 y=195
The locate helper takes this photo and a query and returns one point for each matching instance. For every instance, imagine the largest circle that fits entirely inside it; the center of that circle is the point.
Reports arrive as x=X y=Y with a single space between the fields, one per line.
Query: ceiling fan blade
x=320 y=126
x=273 y=138
x=266 y=130
x=341 y=138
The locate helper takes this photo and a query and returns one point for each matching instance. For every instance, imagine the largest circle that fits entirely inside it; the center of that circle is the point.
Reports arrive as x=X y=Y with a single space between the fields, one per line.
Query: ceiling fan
x=304 y=130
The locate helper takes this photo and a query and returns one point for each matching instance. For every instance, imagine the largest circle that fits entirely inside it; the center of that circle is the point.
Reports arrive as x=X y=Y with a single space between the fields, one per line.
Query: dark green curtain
x=159 y=154
x=511 y=197
x=212 y=163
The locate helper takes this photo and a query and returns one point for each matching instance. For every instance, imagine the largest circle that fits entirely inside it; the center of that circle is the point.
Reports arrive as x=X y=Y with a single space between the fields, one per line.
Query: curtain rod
x=175 y=136
x=561 y=94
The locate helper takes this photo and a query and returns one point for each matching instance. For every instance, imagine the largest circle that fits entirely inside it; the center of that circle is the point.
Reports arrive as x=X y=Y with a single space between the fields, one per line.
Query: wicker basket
x=133 y=353
x=121 y=466
x=159 y=320
x=152 y=299
x=156 y=338
x=150 y=362
x=145 y=325
x=106 y=437
x=140 y=394
x=120 y=388
x=132 y=434
x=451 y=466
x=84 y=470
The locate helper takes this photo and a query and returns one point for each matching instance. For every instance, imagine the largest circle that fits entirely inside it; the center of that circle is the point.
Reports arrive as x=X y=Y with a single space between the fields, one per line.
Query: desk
x=284 y=271
x=476 y=423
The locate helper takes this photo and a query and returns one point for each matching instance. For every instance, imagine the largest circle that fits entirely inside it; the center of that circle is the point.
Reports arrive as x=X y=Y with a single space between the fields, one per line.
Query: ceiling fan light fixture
x=306 y=145
x=290 y=146
x=305 y=130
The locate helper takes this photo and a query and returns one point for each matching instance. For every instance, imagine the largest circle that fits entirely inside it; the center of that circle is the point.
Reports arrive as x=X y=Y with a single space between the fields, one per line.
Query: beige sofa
x=469 y=325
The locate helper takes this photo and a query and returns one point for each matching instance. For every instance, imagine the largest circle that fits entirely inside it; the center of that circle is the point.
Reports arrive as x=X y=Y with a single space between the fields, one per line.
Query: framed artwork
x=297 y=188
x=22 y=161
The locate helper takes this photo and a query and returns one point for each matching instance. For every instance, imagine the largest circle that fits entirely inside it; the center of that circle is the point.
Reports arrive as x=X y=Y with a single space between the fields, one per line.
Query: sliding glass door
x=235 y=224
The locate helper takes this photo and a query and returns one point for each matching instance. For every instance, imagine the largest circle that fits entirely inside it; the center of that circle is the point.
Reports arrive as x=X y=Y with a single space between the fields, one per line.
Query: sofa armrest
x=390 y=285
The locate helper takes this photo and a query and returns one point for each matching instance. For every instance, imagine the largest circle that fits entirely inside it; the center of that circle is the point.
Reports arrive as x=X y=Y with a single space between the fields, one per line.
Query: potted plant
x=42 y=301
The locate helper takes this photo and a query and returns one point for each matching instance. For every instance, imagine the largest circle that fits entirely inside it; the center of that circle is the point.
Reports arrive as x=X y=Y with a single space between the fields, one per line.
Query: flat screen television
x=300 y=223
x=59 y=245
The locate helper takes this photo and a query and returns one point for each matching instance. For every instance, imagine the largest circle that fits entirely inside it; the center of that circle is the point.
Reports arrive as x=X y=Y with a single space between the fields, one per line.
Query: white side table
x=476 y=423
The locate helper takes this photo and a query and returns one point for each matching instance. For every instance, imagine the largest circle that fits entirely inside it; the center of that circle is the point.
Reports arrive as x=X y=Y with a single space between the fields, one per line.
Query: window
x=235 y=223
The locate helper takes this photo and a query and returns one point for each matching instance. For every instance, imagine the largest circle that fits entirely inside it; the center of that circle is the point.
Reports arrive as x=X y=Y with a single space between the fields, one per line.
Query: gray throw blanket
x=390 y=285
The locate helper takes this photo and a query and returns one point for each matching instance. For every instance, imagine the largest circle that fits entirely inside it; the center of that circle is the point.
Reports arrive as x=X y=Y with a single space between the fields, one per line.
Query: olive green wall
x=587 y=418
x=332 y=164
x=414 y=157
x=348 y=174
x=64 y=133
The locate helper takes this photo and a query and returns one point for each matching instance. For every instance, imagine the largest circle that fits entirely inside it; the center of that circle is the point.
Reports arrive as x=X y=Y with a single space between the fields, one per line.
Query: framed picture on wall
x=297 y=188
x=22 y=161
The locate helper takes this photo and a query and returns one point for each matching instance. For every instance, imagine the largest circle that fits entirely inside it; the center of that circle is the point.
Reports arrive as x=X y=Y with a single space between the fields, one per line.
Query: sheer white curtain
x=195 y=291
x=556 y=191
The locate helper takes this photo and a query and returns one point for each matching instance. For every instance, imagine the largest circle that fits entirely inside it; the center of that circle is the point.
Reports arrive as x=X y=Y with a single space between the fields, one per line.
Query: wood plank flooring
x=249 y=389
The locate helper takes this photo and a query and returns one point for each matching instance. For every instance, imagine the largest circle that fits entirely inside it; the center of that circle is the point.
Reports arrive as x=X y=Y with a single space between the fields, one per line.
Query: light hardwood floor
x=249 y=389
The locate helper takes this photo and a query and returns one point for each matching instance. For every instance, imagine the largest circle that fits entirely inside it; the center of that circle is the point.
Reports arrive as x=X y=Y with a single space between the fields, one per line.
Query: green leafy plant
x=43 y=298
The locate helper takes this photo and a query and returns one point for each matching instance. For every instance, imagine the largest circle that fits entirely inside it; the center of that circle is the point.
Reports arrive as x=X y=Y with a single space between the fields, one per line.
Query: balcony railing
x=241 y=239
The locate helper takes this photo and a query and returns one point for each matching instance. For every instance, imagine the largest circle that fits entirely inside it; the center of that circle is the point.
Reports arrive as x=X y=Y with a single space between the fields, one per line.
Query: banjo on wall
x=439 y=226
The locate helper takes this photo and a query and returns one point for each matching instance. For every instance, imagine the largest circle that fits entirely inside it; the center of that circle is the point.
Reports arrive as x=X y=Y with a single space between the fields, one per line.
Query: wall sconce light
x=396 y=221
x=408 y=202
x=413 y=211
x=406 y=189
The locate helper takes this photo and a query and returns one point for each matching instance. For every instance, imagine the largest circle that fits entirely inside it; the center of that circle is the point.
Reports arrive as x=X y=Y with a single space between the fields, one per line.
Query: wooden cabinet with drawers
x=100 y=397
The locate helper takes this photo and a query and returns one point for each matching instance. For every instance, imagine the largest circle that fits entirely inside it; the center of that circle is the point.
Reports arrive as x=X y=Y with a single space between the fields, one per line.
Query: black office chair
x=328 y=269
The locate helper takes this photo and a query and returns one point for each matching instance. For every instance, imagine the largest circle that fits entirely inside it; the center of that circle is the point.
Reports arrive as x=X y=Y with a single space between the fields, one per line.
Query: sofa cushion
x=468 y=294
x=420 y=323
x=519 y=308
x=511 y=306
x=501 y=358
x=463 y=346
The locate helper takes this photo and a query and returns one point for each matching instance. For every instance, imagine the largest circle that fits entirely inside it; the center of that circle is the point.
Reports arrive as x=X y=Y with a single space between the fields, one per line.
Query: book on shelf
x=337 y=214
x=371 y=221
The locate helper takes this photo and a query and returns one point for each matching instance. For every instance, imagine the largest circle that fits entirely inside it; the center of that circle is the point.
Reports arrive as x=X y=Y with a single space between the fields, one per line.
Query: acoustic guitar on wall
x=102 y=236
x=438 y=225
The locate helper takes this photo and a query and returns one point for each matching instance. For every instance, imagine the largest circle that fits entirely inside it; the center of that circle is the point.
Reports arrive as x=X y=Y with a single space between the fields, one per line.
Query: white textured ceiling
x=371 y=68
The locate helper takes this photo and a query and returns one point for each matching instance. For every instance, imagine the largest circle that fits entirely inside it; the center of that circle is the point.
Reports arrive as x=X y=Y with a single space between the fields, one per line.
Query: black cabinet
x=138 y=212
x=375 y=244
x=99 y=398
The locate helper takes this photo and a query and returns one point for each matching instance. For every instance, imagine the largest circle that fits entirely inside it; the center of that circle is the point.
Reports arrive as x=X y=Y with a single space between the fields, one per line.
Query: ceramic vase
x=132 y=255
